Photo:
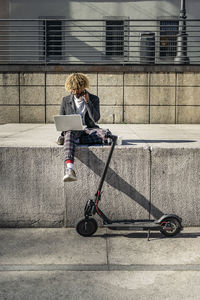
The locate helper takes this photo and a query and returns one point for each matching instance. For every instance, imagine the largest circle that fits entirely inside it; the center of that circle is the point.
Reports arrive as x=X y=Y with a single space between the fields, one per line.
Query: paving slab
x=28 y=135
x=57 y=248
x=177 y=251
x=50 y=246
x=168 y=136
x=12 y=129
x=100 y=285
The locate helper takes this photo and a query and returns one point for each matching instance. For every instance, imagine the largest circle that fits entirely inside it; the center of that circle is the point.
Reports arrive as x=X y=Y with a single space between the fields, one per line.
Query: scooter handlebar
x=112 y=137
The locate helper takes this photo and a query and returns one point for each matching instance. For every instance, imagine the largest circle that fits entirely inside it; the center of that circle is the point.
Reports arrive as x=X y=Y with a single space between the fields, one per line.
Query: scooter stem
x=114 y=140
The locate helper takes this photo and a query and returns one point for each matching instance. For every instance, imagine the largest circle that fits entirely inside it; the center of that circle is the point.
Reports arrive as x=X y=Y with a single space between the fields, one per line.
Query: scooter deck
x=133 y=225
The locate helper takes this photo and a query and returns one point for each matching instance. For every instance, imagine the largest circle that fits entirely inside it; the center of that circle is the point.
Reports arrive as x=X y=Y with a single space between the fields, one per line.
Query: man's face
x=78 y=92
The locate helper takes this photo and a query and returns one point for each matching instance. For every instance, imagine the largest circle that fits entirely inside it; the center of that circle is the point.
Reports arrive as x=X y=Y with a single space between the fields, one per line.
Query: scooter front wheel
x=170 y=227
x=87 y=227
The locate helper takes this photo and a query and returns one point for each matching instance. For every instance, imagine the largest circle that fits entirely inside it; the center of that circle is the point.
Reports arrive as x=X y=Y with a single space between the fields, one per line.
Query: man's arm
x=92 y=104
x=60 y=140
x=62 y=107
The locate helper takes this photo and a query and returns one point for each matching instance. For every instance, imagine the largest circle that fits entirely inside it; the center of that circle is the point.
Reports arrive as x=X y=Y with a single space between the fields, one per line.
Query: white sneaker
x=60 y=140
x=70 y=175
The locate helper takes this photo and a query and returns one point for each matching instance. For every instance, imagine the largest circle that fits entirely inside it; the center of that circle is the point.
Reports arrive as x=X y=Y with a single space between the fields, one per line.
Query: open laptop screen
x=68 y=122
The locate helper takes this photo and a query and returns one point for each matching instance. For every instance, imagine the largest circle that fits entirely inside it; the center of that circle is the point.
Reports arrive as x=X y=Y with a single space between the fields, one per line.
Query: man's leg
x=89 y=137
x=71 y=138
x=93 y=136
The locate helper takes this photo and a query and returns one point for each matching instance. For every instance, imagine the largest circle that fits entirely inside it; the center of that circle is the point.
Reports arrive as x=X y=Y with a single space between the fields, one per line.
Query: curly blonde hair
x=76 y=81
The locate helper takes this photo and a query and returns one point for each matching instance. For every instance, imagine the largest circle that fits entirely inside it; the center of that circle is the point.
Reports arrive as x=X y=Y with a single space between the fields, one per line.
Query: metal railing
x=61 y=41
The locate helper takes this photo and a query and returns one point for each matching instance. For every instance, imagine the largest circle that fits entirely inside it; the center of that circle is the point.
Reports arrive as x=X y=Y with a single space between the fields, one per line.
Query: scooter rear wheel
x=87 y=227
x=170 y=227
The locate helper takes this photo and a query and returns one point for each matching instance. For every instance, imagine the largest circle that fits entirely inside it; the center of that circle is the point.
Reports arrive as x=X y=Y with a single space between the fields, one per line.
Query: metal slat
x=61 y=39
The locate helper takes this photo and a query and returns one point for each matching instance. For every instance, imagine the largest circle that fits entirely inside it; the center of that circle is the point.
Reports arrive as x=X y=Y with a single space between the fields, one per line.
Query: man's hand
x=86 y=97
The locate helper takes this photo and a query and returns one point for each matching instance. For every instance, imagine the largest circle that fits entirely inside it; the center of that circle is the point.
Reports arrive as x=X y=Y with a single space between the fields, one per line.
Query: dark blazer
x=92 y=114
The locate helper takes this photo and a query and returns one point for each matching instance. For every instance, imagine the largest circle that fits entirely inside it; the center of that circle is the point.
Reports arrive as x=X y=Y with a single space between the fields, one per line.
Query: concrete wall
x=31 y=195
x=140 y=97
x=98 y=9
x=140 y=180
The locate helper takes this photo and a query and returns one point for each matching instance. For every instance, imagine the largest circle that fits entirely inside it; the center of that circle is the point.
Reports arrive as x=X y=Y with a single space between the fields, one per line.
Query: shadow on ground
x=134 y=142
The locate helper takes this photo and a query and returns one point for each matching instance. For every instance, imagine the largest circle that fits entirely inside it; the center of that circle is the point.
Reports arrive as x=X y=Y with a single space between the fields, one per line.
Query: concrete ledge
x=156 y=170
x=98 y=68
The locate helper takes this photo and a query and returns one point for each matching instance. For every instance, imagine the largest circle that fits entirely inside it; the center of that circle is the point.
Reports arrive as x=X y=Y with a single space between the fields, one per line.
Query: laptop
x=68 y=122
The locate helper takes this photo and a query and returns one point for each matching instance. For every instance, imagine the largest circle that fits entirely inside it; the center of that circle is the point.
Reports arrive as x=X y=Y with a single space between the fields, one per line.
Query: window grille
x=53 y=39
x=168 y=38
x=115 y=37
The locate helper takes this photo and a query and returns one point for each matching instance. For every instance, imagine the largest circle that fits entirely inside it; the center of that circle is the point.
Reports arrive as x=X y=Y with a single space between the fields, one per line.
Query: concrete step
x=156 y=170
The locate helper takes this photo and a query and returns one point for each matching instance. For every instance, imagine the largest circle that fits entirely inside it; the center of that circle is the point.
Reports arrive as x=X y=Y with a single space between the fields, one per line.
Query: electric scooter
x=169 y=225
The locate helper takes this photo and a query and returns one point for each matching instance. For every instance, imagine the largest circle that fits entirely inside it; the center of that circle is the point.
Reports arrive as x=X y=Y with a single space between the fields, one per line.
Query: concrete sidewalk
x=60 y=264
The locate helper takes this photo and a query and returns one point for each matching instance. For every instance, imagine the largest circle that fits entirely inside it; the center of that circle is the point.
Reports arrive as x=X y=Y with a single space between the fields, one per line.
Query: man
x=80 y=101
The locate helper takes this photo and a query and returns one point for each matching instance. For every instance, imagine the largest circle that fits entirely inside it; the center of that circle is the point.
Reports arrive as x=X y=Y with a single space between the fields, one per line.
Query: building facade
x=129 y=49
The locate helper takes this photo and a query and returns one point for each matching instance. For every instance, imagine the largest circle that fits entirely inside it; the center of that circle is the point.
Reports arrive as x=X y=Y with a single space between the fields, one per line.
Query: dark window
x=115 y=38
x=52 y=39
x=168 y=38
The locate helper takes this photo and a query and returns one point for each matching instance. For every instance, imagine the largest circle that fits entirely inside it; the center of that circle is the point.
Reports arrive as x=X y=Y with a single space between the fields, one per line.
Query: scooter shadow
x=114 y=180
x=117 y=182
x=153 y=235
